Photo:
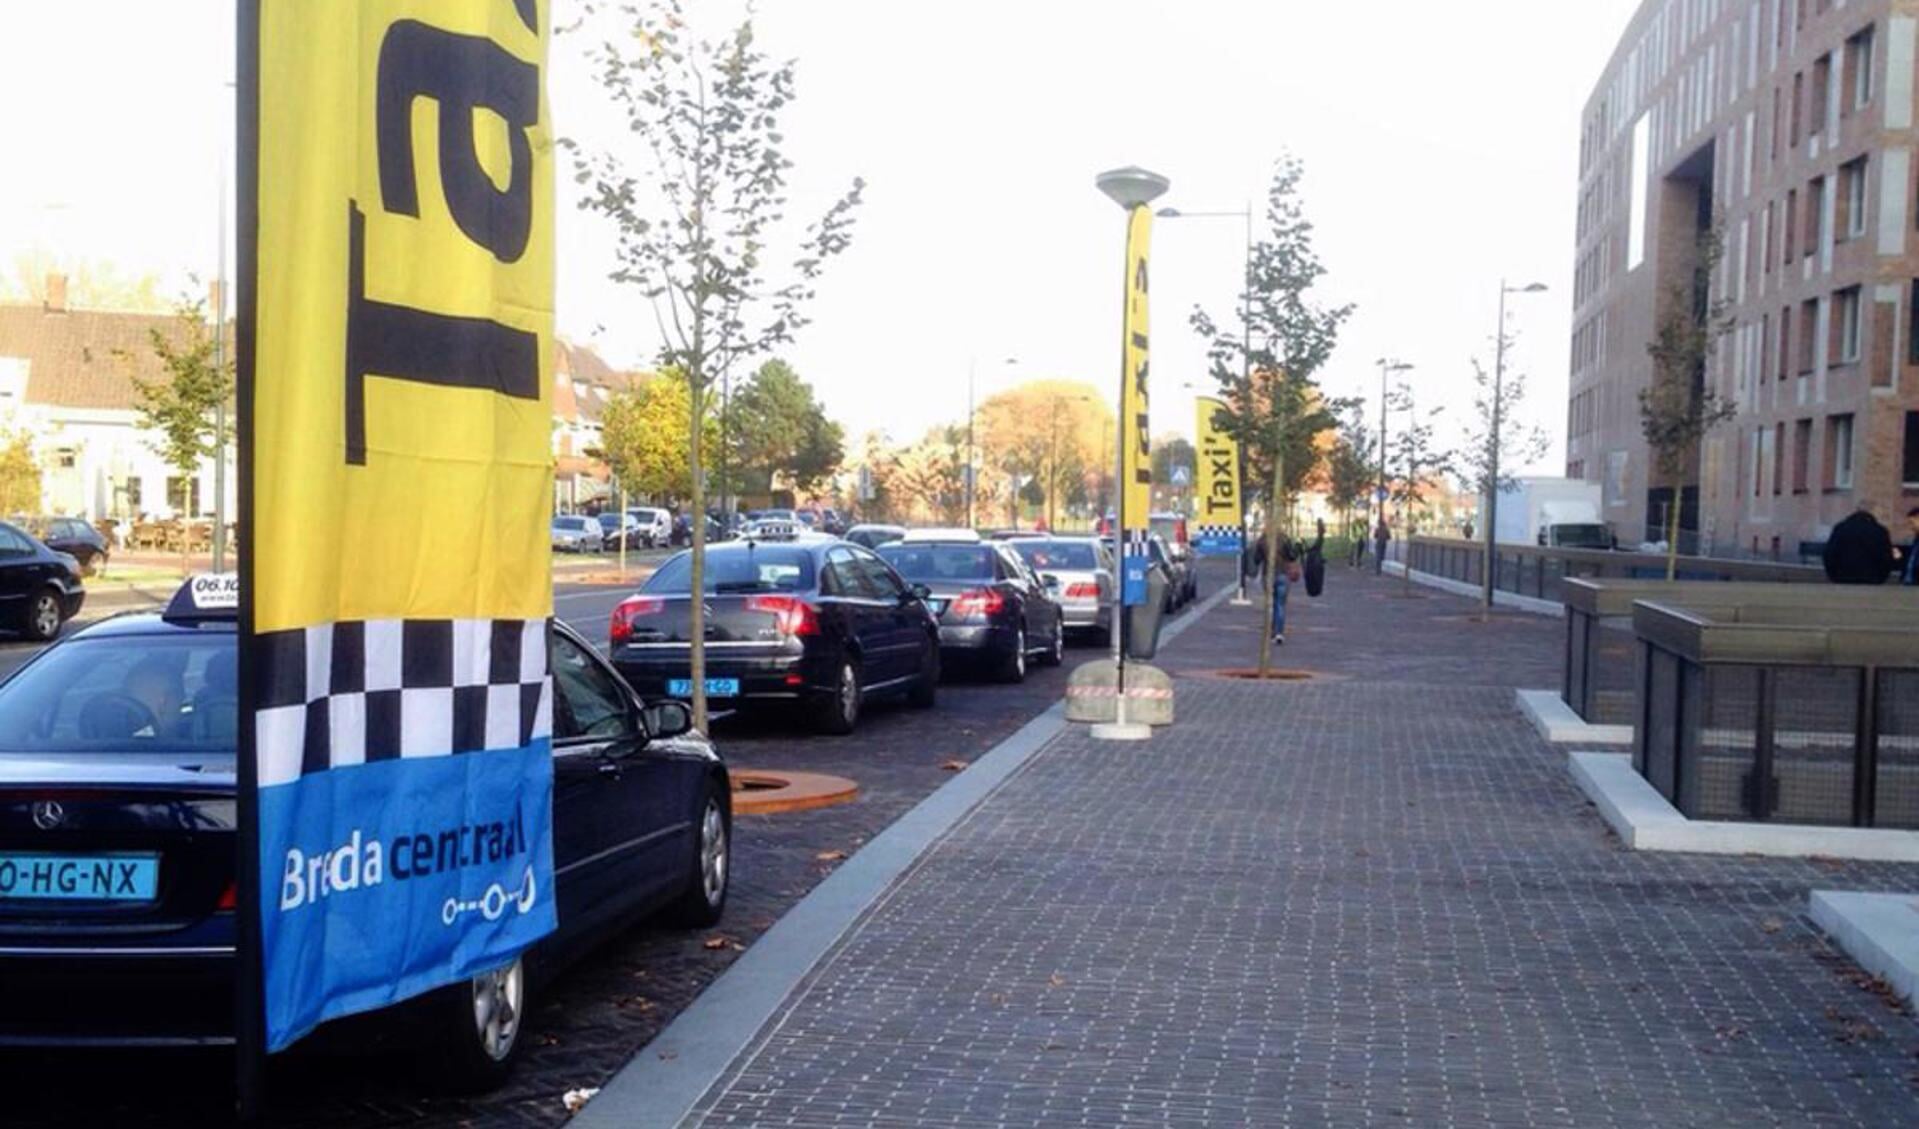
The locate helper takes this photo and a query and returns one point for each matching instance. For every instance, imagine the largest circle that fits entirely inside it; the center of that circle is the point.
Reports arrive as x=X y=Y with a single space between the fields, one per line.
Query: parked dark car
x=617 y=527
x=121 y=738
x=77 y=538
x=873 y=536
x=832 y=522
x=1181 y=574
x=40 y=588
x=797 y=620
x=993 y=609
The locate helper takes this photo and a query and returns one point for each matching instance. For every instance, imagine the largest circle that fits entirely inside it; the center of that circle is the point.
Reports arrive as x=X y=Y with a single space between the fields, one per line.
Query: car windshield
x=1583 y=536
x=927 y=563
x=139 y=694
x=745 y=568
x=1166 y=527
x=610 y=521
x=1057 y=555
x=575 y=523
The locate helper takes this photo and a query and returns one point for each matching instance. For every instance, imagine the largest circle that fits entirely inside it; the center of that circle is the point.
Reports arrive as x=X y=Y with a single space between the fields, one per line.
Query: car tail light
x=791 y=615
x=980 y=602
x=229 y=900
x=1082 y=590
x=630 y=609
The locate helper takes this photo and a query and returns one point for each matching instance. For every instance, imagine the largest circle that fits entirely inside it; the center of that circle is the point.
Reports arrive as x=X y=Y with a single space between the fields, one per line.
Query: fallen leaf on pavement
x=1772 y=925
x=954 y=766
x=830 y=856
x=716 y=943
x=575 y=1100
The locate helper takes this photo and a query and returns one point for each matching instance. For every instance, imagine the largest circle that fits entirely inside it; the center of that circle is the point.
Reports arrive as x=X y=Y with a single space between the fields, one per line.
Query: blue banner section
x=383 y=880
x=1133 y=579
x=1223 y=545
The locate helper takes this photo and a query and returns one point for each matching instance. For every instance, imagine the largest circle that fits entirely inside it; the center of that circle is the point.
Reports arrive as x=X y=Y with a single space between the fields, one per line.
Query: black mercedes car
x=993 y=608
x=40 y=588
x=77 y=538
x=792 y=619
x=117 y=821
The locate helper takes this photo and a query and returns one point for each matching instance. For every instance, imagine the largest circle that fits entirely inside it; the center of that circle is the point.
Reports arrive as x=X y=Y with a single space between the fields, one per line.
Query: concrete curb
x=1557 y=722
x=1645 y=821
x=1529 y=604
x=662 y=1085
x=1880 y=931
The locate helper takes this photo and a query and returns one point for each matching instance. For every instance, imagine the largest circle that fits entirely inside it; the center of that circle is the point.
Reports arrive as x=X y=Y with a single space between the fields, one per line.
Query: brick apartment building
x=1787 y=126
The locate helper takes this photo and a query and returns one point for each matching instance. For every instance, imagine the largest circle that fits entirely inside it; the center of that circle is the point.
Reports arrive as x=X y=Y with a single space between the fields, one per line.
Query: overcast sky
x=1440 y=142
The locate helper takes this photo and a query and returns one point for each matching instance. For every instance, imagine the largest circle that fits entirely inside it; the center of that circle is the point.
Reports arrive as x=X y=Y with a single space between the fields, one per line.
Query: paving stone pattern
x=1351 y=901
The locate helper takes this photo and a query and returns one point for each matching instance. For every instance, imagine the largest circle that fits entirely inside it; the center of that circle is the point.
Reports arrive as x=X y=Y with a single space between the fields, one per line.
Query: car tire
x=1013 y=666
x=43 y=618
x=926 y=692
x=703 y=901
x=476 y=1028
x=1056 y=651
x=839 y=712
x=91 y=564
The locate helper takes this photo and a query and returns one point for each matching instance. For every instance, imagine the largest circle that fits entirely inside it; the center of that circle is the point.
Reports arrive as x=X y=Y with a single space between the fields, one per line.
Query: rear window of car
x=135 y=694
x=575 y=523
x=1069 y=555
x=744 y=568
x=928 y=563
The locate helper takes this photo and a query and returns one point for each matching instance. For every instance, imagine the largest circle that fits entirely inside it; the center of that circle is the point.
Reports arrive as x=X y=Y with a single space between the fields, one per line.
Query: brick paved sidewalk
x=1372 y=898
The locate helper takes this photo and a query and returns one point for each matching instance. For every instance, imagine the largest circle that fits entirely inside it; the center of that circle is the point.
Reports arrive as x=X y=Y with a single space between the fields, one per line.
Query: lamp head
x=1132 y=186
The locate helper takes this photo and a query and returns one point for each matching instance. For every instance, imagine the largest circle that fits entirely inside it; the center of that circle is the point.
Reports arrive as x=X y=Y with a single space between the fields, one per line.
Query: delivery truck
x=1560 y=513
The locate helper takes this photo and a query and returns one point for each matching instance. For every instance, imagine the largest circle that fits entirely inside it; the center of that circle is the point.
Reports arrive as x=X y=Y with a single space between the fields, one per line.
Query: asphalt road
x=600 y=1013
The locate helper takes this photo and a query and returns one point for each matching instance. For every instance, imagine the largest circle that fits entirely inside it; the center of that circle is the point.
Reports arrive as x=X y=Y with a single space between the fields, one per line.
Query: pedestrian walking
x=1286 y=573
x=1315 y=569
x=1909 y=575
x=1255 y=562
x=1859 y=550
x=1382 y=534
x=1358 y=533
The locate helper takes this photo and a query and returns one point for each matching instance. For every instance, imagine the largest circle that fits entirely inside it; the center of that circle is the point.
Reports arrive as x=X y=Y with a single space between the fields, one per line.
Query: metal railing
x=1527 y=570
x=1781 y=711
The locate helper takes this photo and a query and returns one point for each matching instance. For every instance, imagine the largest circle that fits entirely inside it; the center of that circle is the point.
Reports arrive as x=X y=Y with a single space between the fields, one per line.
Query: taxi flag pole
x=249 y=995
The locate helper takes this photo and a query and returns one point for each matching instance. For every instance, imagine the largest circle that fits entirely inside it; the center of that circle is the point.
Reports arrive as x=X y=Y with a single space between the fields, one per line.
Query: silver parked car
x=1085 y=569
x=575 y=534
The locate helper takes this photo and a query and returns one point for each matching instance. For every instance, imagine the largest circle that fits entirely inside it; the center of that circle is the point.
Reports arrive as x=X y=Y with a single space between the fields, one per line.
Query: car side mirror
x=919 y=592
x=1051 y=582
x=667 y=718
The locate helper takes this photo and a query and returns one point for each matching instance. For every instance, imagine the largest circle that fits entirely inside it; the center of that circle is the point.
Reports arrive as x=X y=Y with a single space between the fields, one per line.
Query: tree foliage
x=1352 y=466
x=1495 y=408
x=1679 y=406
x=929 y=477
x=777 y=428
x=20 y=487
x=696 y=191
x=1048 y=434
x=643 y=438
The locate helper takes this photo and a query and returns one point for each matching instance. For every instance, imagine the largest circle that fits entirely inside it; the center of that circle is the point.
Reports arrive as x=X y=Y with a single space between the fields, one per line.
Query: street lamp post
x=1132 y=188
x=1491 y=514
x=1387 y=368
x=1246 y=367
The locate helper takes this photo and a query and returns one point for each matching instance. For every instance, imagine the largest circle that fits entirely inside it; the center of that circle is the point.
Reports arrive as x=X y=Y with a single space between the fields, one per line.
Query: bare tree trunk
x=696 y=593
x=1273 y=563
x=1672 y=533
x=621 y=496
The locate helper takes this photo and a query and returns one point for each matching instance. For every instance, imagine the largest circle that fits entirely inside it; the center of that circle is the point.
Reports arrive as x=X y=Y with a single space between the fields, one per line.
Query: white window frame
x=1842 y=468
x=1850 y=316
x=1856 y=172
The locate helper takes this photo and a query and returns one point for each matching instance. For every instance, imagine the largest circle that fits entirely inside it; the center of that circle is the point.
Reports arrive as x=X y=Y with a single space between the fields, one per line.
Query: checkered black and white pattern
x=343 y=694
x=1218 y=532
x=1136 y=542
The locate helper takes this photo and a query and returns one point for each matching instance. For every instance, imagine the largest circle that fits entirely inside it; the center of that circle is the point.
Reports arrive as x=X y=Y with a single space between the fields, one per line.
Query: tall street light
x=1387 y=368
x=1133 y=189
x=972 y=449
x=1491 y=514
x=1246 y=361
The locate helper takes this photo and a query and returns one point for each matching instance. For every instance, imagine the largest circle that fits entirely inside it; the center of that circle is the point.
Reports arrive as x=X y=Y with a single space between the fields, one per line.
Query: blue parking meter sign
x=1133 y=583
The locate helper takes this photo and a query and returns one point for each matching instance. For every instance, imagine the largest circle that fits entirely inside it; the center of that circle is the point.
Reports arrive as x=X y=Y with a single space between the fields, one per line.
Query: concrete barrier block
x=1092 y=694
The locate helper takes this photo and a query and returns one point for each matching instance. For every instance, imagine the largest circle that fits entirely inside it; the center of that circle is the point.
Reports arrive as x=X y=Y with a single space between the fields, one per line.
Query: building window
x=1911 y=474
x=1779 y=458
x=1846 y=310
x=1820 y=99
x=1859 y=66
x=1912 y=327
x=1852 y=198
x=64 y=458
x=1791 y=220
x=1785 y=338
x=1801 y=456
x=1839 y=452
x=1798 y=106
x=1808 y=335
x=1815 y=214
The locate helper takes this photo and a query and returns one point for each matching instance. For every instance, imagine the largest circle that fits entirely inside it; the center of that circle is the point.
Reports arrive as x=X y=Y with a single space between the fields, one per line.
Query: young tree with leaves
x=644 y=438
x=1419 y=459
x=1680 y=406
x=1351 y=467
x=696 y=198
x=1493 y=437
x=1267 y=366
x=777 y=427
x=182 y=408
x=20 y=486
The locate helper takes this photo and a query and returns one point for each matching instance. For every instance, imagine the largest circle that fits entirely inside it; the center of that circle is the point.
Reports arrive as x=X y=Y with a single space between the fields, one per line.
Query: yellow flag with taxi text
x=1216 y=499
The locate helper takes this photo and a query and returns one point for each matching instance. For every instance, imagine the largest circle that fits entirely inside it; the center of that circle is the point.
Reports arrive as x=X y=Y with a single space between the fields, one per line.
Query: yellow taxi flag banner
x=1136 y=467
x=396 y=693
x=1217 y=497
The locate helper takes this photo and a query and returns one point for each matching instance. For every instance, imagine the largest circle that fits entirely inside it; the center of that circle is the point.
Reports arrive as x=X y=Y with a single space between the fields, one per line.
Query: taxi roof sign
x=210 y=595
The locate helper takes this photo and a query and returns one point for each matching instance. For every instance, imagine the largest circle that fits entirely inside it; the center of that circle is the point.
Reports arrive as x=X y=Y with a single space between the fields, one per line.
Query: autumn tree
x=930 y=475
x=1267 y=363
x=181 y=409
x=696 y=190
x=1046 y=433
x=1679 y=406
x=1419 y=461
x=1352 y=466
x=644 y=440
x=20 y=487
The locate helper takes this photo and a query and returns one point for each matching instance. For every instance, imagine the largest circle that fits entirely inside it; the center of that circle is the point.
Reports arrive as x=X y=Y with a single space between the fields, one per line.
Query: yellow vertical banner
x=395 y=685
x=1136 y=465
x=1217 y=498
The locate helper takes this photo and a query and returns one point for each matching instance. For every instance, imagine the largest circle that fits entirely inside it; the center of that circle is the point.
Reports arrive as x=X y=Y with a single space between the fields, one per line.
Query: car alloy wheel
x=713 y=854
x=46 y=616
x=497 y=1000
x=849 y=694
x=1019 y=654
